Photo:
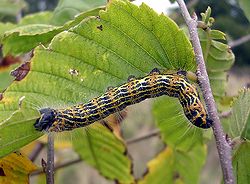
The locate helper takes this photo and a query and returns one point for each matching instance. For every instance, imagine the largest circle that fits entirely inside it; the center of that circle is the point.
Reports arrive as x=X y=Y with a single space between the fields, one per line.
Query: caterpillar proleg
x=116 y=99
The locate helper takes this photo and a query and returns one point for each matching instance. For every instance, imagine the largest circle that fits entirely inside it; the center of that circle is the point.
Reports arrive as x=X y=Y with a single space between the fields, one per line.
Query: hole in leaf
x=100 y=27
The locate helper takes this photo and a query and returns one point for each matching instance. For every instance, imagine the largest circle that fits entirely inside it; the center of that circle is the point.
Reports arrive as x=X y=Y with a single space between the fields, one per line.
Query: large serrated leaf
x=102 y=58
x=170 y=166
x=103 y=150
x=238 y=123
x=219 y=59
x=176 y=130
x=104 y=51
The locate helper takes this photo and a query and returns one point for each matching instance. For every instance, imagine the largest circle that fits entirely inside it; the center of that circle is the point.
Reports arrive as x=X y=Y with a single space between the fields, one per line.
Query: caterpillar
x=116 y=99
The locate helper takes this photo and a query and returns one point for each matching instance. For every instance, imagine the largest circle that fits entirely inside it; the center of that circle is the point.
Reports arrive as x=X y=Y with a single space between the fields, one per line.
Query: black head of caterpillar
x=116 y=99
x=46 y=120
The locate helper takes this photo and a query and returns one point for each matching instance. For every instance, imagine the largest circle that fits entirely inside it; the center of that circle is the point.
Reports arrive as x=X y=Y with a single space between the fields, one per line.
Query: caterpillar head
x=46 y=120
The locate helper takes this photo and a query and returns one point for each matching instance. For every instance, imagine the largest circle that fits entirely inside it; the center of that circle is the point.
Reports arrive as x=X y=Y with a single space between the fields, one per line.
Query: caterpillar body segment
x=117 y=98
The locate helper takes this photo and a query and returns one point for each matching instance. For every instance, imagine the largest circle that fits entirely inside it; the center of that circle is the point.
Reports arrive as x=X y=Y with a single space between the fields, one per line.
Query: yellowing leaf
x=165 y=158
x=175 y=166
x=15 y=168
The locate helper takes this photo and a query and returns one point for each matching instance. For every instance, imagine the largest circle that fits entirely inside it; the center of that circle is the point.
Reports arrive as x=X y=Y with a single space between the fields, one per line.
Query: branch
x=192 y=3
x=225 y=114
x=143 y=137
x=238 y=42
x=36 y=151
x=224 y=150
x=59 y=166
x=50 y=160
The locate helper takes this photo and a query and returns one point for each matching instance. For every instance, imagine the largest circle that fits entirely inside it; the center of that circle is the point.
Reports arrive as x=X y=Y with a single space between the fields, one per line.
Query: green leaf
x=6 y=80
x=5 y=27
x=217 y=35
x=104 y=151
x=170 y=166
x=23 y=38
x=17 y=130
x=238 y=124
x=219 y=59
x=245 y=6
x=241 y=162
x=12 y=8
x=103 y=57
x=5 y=76
x=66 y=10
x=176 y=130
x=37 y=18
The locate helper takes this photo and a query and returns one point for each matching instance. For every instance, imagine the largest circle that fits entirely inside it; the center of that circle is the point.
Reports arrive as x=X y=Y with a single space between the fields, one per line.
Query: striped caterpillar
x=116 y=99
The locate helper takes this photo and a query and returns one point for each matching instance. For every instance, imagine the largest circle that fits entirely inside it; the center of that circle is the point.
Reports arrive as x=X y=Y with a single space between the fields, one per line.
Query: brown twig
x=225 y=114
x=192 y=3
x=143 y=137
x=50 y=160
x=240 y=41
x=59 y=166
x=224 y=149
x=36 y=151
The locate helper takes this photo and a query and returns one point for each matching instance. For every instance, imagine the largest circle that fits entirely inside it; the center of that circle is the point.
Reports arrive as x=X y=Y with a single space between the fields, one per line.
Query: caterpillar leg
x=131 y=78
x=155 y=71
x=109 y=88
x=182 y=73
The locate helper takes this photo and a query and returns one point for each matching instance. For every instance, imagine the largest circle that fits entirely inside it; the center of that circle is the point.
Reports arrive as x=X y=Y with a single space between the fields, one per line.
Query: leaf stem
x=240 y=41
x=50 y=160
x=36 y=151
x=143 y=137
x=224 y=149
